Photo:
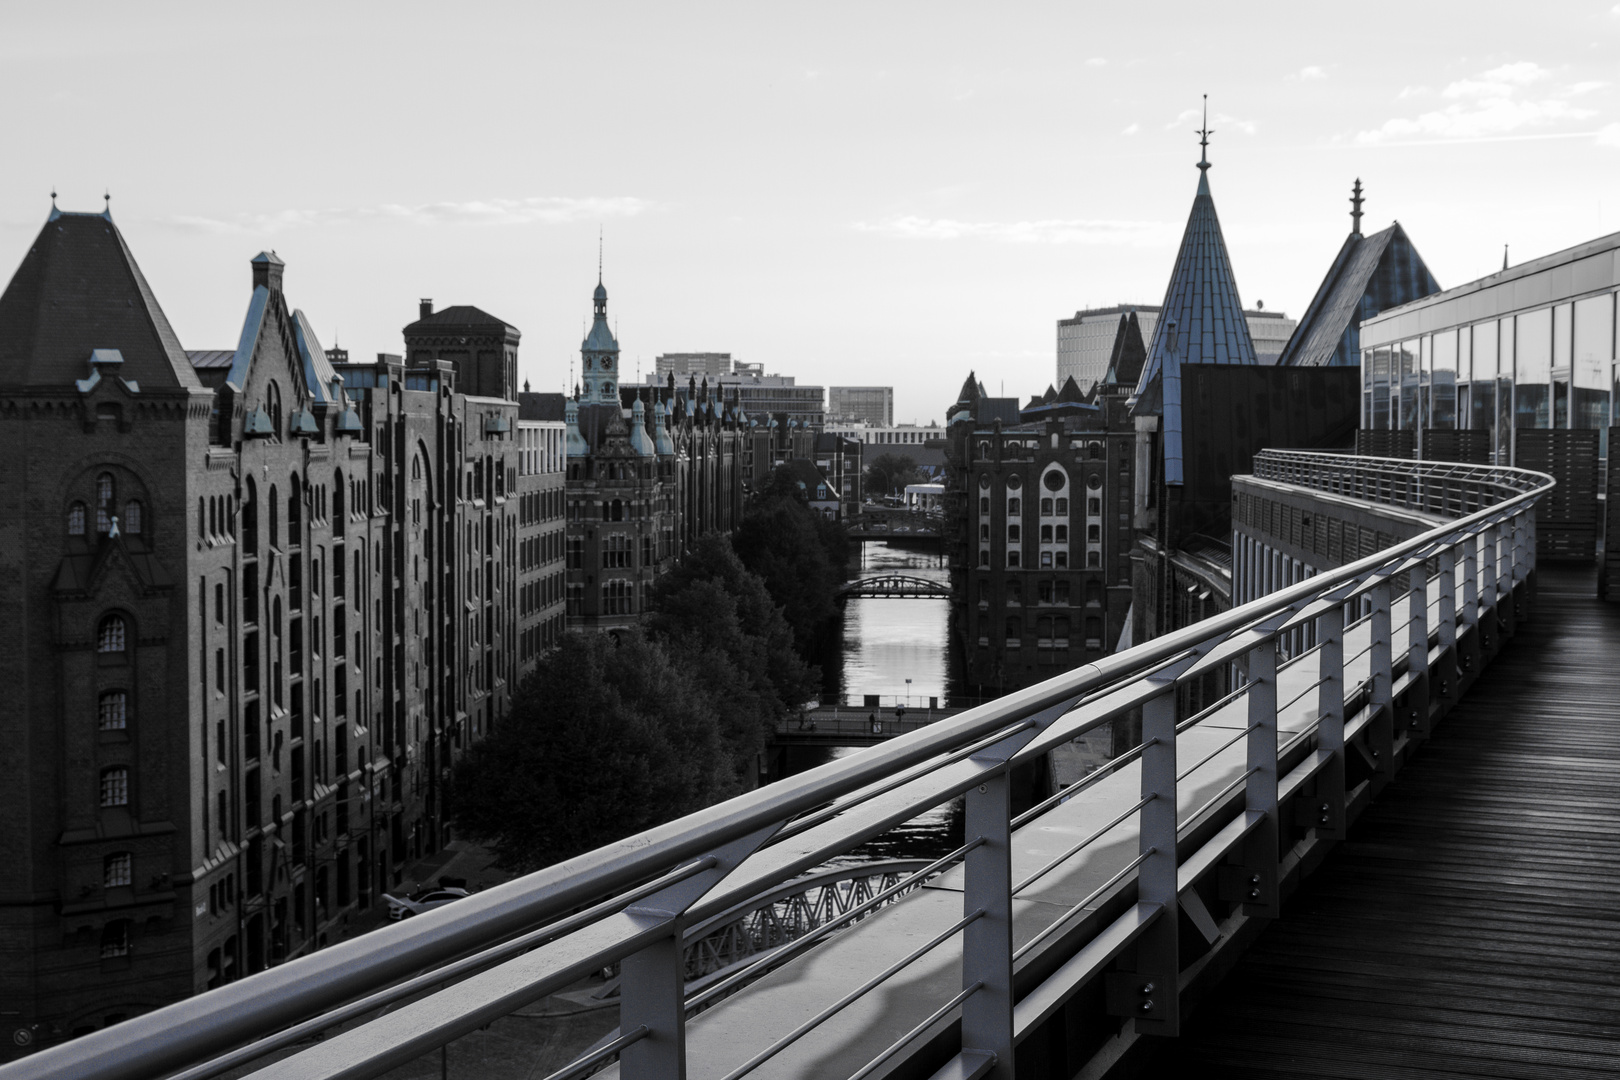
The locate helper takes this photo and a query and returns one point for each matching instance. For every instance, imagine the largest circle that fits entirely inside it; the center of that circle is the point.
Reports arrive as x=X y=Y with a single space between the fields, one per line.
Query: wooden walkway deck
x=1470 y=926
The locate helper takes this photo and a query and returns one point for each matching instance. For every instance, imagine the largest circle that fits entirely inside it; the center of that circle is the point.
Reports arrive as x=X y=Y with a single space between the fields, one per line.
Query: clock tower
x=599 y=357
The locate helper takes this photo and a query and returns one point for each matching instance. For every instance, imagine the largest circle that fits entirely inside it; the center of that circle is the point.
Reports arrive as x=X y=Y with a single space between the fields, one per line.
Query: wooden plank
x=1469 y=926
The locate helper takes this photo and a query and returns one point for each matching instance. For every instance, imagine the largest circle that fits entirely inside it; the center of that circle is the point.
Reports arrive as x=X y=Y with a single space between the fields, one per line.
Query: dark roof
x=1201 y=301
x=461 y=317
x=1370 y=274
x=805 y=472
x=210 y=358
x=532 y=406
x=79 y=289
x=1125 y=362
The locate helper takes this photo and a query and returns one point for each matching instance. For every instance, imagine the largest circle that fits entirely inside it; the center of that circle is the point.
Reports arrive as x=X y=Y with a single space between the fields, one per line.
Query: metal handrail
x=213 y=1023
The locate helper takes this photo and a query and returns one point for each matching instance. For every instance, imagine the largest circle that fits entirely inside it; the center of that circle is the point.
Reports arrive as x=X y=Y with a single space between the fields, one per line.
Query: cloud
x=1132 y=129
x=535 y=210
x=1413 y=91
x=1490 y=104
x=1311 y=72
x=1097 y=61
x=1609 y=136
x=1051 y=231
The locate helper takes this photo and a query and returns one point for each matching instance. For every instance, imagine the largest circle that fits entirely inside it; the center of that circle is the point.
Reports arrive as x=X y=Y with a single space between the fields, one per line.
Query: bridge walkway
x=1470 y=926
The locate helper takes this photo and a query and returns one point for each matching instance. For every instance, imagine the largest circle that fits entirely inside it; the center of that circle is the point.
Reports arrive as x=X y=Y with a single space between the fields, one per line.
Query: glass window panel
x=1484 y=338
x=1482 y=403
x=1411 y=377
x=1594 y=340
x=1443 y=381
x=1504 y=421
x=1533 y=369
x=1465 y=354
x=1561 y=338
x=1382 y=362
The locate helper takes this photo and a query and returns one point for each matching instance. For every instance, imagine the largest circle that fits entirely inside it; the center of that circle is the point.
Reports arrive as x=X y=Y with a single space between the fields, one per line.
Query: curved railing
x=1145 y=845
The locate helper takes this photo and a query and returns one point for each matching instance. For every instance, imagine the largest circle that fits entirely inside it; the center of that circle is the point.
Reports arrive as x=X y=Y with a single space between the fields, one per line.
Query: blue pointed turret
x=1202 y=320
x=599 y=355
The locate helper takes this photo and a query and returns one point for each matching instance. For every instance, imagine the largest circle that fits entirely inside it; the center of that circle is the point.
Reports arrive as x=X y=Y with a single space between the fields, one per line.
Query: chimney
x=267 y=270
x=425 y=307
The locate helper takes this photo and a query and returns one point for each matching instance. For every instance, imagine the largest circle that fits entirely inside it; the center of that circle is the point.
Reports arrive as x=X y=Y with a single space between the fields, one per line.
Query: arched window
x=250 y=519
x=110 y=635
x=117 y=870
x=273 y=407
x=275 y=519
x=112 y=711
x=338 y=505
x=295 y=515
x=115 y=786
x=133 y=513
x=105 y=502
x=416 y=467
x=76 y=519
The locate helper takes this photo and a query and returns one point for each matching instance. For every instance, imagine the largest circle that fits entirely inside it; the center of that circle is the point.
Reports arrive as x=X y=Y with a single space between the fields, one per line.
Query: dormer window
x=110 y=635
x=75 y=519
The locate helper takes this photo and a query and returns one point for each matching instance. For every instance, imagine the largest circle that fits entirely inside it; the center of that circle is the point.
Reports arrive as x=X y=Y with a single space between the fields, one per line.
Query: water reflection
x=883 y=642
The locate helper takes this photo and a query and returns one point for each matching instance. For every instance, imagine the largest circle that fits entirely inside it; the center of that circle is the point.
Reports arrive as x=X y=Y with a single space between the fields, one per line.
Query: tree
x=797 y=553
x=605 y=738
x=897 y=470
x=719 y=623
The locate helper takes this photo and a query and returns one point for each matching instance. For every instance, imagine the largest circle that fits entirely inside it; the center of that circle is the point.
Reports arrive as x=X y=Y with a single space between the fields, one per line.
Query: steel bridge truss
x=1201 y=824
x=896 y=585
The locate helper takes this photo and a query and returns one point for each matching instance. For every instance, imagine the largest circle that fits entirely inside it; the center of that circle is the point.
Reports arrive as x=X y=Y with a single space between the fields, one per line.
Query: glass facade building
x=1528 y=347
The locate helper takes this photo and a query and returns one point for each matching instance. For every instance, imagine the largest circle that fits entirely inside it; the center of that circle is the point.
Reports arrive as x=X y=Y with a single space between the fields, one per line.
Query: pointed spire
x=1203 y=139
x=599 y=254
x=1355 y=208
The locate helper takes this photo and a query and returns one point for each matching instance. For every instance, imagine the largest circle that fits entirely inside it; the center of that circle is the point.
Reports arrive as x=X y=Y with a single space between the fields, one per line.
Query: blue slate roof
x=1201 y=305
x=1369 y=275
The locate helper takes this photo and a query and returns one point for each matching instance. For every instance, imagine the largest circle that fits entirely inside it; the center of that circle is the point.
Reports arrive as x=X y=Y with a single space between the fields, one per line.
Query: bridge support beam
x=1262 y=849
x=1152 y=993
x=987 y=949
x=1414 y=710
x=1446 y=686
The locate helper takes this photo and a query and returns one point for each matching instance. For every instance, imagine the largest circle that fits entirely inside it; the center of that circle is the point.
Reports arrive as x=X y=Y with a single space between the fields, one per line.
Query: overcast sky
x=849 y=193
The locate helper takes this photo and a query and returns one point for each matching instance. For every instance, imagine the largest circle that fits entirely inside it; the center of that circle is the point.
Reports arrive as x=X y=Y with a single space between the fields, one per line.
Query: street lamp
x=908 y=693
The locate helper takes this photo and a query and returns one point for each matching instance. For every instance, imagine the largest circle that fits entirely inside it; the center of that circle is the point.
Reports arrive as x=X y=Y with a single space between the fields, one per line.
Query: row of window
x=132 y=522
x=1050 y=560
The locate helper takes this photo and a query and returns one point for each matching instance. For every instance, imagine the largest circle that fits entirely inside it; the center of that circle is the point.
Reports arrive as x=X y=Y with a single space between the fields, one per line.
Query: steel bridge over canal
x=1394 y=853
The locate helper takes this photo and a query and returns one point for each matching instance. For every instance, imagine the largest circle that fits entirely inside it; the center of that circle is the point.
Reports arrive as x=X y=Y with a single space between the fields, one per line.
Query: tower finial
x=1203 y=138
x=107 y=199
x=1504 y=257
x=1355 y=207
x=599 y=254
x=53 y=196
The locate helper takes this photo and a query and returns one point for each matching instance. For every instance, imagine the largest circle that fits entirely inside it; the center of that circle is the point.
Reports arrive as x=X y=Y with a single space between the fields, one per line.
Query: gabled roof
x=1201 y=305
x=1369 y=275
x=1129 y=353
x=79 y=289
x=461 y=317
x=318 y=370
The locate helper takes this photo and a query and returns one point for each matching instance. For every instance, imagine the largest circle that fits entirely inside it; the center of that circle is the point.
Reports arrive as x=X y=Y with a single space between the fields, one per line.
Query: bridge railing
x=460 y=967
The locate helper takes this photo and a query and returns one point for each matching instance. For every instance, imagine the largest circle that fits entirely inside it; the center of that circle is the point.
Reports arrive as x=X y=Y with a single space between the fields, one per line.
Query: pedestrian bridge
x=1393 y=848
x=896 y=585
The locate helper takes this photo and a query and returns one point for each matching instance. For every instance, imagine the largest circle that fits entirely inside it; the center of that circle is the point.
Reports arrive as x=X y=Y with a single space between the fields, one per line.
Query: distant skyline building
x=1086 y=341
x=872 y=404
x=757 y=393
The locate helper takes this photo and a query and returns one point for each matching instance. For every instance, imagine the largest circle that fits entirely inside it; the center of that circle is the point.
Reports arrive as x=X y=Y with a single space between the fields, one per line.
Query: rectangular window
x=115 y=786
x=112 y=712
x=117 y=870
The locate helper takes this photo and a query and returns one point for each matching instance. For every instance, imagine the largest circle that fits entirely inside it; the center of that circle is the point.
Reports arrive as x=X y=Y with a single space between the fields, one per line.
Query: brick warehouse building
x=257 y=601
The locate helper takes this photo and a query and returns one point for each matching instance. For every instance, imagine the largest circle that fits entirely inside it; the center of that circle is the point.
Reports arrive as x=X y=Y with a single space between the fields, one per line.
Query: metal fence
x=458 y=968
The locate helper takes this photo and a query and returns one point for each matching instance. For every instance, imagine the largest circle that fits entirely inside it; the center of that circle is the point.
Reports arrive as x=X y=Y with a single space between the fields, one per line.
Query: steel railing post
x=1447 y=689
x=1157 y=1005
x=987 y=1016
x=1415 y=703
x=652 y=980
x=1262 y=848
x=1328 y=817
x=1381 y=663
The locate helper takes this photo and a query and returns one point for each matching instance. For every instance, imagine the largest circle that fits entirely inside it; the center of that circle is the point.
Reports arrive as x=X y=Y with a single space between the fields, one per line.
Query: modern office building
x=756 y=393
x=1527 y=348
x=1085 y=342
x=258 y=603
x=700 y=365
x=872 y=405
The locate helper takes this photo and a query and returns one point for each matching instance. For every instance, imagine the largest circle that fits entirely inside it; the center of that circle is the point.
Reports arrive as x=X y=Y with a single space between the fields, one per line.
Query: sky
x=851 y=194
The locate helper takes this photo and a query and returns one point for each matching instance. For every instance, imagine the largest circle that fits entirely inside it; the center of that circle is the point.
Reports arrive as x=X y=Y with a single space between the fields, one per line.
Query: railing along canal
x=1254 y=793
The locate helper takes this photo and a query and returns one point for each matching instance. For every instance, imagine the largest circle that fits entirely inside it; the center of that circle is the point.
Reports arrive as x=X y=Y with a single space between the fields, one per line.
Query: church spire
x=1203 y=139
